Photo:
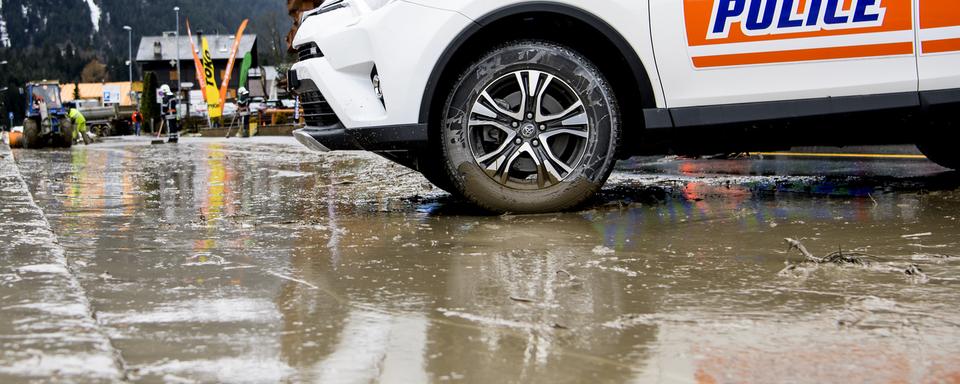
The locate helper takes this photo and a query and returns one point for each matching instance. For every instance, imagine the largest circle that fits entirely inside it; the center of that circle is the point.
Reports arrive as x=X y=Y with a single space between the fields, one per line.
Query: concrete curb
x=47 y=327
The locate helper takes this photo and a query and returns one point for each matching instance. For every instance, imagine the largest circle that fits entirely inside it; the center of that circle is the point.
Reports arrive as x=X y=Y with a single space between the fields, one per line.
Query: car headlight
x=330 y=6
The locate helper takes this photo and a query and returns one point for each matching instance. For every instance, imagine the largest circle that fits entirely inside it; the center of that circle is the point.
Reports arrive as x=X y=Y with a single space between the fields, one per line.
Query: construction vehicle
x=106 y=120
x=46 y=123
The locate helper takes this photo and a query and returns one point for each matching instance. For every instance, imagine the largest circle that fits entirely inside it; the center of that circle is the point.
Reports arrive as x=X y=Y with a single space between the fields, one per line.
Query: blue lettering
x=727 y=9
x=813 y=12
x=786 y=12
x=754 y=20
x=831 y=17
x=861 y=16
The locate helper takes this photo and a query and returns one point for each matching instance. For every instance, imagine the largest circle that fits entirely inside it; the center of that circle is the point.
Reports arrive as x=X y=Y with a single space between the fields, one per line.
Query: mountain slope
x=94 y=28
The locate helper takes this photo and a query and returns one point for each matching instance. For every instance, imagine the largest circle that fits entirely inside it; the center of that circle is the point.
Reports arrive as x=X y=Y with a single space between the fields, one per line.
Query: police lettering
x=771 y=17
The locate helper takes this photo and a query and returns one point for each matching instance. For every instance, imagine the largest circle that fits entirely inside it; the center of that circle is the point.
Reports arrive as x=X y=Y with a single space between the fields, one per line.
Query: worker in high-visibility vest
x=79 y=125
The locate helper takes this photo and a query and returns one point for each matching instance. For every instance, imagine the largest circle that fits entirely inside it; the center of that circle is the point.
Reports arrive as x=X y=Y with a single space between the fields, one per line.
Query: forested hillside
x=59 y=39
x=82 y=30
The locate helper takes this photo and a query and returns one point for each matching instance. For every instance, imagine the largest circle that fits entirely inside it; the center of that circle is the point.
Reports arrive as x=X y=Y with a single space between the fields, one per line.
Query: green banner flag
x=245 y=69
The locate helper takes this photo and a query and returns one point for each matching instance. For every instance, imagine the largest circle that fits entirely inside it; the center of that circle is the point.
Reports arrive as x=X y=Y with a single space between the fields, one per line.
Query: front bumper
x=375 y=139
x=400 y=42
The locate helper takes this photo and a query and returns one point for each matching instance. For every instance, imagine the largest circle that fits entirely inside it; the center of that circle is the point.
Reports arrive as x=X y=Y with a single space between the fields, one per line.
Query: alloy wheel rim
x=528 y=130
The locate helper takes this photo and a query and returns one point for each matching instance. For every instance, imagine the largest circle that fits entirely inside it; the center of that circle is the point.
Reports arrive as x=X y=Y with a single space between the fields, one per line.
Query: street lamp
x=130 y=52
x=3 y=102
x=179 y=79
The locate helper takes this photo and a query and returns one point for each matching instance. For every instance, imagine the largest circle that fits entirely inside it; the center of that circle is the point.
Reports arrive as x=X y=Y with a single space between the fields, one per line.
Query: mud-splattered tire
x=531 y=127
x=31 y=135
x=65 y=138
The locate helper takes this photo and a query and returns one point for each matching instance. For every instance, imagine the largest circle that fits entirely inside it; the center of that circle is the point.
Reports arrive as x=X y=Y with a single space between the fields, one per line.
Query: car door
x=939 y=37
x=712 y=52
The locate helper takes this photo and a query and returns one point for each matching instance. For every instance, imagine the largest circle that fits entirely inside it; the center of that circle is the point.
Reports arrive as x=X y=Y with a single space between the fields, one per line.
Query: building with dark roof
x=159 y=55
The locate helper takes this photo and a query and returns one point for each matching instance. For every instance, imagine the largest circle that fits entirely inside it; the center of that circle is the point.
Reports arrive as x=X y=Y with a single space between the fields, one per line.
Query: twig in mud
x=565 y=272
x=838 y=257
x=844 y=258
x=796 y=244
x=521 y=299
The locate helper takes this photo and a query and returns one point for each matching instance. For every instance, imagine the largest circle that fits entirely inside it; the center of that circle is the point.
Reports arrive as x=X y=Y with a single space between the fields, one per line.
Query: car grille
x=316 y=110
x=308 y=51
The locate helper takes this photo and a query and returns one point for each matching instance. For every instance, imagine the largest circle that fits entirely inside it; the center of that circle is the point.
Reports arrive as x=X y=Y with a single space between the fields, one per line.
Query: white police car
x=524 y=106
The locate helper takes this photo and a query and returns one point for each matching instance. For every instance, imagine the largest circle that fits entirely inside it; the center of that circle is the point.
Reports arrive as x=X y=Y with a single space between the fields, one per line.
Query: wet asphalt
x=258 y=261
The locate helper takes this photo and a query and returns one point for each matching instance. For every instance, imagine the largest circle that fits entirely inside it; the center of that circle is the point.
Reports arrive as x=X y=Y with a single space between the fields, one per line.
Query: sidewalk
x=47 y=329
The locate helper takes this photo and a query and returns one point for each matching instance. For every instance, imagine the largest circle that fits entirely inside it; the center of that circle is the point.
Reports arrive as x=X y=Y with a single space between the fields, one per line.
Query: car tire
x=31 y=135
x=939 y=142
x=531 y=127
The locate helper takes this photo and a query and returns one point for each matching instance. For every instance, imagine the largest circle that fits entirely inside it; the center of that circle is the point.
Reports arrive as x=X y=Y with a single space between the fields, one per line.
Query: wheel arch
x=584 y=32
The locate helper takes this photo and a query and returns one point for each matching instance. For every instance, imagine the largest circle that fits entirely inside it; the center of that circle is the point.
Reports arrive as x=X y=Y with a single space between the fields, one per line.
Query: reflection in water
x=247 y=263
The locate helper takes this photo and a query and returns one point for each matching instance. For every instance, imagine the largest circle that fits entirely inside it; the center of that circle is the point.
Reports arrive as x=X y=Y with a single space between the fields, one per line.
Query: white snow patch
x=252 y=369
x=291 y=174
x=94 y=15
x=91 y=366
x=603 y=251
x=57 y=269
x=200 y=311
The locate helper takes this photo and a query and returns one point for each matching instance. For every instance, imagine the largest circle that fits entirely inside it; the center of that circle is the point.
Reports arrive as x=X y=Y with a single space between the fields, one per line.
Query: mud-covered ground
x=257 y=261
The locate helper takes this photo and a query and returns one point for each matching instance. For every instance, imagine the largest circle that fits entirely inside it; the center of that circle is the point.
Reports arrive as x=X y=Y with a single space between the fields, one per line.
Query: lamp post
x=130 y=56
x=3 y=99
x=179 y=79
x=3 y=104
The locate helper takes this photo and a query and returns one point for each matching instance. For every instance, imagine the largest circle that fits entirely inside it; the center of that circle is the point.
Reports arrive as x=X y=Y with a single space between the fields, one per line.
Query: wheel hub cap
x=528 y=130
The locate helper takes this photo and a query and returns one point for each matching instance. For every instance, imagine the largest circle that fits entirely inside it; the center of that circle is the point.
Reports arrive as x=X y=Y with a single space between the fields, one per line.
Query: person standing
x=170 y=115
x=137 y=119
x=243 y=108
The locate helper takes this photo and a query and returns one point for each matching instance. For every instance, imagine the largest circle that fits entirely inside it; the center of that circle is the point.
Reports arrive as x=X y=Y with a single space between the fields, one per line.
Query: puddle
x=258 y=261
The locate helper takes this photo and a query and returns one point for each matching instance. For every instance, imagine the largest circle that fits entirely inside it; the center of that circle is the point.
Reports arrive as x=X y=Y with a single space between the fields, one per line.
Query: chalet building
x=159 y=55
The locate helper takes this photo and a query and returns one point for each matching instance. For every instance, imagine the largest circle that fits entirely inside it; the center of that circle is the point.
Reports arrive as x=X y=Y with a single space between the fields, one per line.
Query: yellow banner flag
x=211 y=93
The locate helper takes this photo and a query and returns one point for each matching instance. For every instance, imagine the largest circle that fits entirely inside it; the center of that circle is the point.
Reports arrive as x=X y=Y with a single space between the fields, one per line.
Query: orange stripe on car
x=939 y=14
x=804 y=55
x=941 y=46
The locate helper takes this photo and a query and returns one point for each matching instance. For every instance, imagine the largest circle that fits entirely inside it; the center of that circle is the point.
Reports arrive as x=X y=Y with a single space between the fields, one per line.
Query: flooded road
x=257 y=261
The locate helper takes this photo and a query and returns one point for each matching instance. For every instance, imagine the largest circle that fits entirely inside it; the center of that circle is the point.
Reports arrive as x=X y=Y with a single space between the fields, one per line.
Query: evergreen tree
x=148 y=102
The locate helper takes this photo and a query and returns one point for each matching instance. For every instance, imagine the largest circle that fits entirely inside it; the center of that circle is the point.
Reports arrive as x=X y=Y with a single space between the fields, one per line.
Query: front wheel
x=531 y=127
x=64 y=138
x=31 y=135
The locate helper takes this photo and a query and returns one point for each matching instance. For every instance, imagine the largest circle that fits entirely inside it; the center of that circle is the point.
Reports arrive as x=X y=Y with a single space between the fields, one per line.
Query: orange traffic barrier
x=16 y=139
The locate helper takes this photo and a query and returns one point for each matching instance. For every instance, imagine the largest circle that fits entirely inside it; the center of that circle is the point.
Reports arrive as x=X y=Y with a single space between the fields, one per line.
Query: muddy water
x=259 y=262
